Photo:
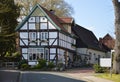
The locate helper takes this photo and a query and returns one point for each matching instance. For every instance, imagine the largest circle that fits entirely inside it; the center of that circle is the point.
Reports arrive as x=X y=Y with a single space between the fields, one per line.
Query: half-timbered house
x=44 y=35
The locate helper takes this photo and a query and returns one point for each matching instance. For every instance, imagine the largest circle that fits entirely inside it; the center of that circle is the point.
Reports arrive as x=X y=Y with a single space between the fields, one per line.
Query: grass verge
x=114 y=78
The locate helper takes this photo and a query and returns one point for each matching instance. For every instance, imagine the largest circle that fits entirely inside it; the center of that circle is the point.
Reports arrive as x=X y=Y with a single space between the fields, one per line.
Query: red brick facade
x=108 y=41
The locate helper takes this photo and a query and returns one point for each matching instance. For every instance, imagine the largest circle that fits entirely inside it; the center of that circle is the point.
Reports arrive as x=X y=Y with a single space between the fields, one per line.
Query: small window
x=44 y=35
x=43 y=19
x=43 y=25
x=32 y=19
x=32 y=36
x=37 y=20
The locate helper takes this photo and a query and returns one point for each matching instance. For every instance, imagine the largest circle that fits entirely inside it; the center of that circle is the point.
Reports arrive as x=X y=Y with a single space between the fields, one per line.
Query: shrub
x=42 y=63
x=38 y=66
x=51 y=65
x=22 y=62
x=61 y=66
x=24 y=66
x=99 y=69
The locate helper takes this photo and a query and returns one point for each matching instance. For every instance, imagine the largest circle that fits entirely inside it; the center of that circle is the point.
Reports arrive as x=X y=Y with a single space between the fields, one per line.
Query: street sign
x=105 y=62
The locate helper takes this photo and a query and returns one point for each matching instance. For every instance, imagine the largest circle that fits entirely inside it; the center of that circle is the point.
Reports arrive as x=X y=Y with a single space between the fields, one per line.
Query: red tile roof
x=68 y=20
x=55 y=19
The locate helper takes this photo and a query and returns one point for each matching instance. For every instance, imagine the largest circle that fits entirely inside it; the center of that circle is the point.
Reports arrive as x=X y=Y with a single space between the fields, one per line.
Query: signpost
x=107 y=62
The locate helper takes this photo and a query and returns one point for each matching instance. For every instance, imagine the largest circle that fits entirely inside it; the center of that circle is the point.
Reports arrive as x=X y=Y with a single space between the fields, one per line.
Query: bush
x=21 y=63
x=42 y=63
x=38 y=66
x=61 y=66
x=99 y=69
x=51 y=65
x=24 y=66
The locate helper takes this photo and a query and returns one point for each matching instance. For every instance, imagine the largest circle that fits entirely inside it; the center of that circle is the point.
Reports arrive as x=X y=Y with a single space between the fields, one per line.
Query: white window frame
x=32 y=36
x=38 y=54
x=44 y=35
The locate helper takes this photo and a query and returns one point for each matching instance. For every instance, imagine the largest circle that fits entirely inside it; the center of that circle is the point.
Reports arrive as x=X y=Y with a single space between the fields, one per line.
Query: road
x=9 y=76
x=45 y=77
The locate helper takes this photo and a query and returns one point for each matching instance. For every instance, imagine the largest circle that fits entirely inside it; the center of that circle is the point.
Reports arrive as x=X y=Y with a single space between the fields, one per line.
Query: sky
x=95 y=15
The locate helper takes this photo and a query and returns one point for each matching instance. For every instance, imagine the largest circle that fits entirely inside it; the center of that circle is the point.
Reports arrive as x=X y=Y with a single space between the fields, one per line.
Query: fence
x=9 y=64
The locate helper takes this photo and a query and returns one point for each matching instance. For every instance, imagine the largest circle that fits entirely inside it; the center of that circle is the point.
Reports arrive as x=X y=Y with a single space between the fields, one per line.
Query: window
x=32 y=36
x=32 y=19
x=31 y=25
x=43 y=25
x=44 y=35
x=43 y=19
x=35 y=54
x=37 y=20
x=46 y=54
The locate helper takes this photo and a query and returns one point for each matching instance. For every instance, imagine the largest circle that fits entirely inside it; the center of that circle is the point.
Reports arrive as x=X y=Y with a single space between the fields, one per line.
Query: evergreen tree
x=9 y=12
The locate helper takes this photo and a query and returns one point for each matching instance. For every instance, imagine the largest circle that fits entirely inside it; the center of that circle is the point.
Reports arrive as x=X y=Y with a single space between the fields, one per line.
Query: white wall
x=42 y=21
x=52 y=37
x=24 y=26
x=66 y=41
x=94 y=54
x=61 y=56
x=51 y=26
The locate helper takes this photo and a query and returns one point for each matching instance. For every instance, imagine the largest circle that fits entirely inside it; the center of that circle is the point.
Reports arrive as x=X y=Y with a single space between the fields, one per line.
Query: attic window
x=32 y=19
x=37 y=20
x=43 y=19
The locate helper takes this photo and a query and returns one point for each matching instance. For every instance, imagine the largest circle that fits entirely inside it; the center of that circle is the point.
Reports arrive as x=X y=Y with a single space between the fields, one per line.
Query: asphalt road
x=44 y=77
x=9 y=76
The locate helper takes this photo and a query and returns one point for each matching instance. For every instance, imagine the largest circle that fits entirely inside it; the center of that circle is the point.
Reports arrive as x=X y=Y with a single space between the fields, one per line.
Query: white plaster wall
x=52 y=50
x=25 y=56
x=32 y=26
x=31 y=19
x=24 y=27
x=66 y=41
x=23 y=35
x=93 y=54
x=52 y=34
x=82 y=50
x=24 y=50
x=51 y=26
x=61 y=56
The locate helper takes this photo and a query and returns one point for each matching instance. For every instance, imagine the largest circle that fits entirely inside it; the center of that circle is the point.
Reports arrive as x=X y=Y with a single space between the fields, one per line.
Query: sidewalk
x=86 y=74
x=88 y=77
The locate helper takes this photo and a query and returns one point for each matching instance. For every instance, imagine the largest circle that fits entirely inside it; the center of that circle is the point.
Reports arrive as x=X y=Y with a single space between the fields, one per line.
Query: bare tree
x=60 y=6
x=116 y=63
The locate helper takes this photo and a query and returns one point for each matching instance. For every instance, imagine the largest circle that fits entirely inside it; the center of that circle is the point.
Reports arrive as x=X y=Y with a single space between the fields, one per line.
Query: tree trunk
x=116 y=63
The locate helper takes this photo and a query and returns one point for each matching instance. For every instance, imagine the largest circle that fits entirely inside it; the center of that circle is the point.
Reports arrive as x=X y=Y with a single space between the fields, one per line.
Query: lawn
x=115 y=78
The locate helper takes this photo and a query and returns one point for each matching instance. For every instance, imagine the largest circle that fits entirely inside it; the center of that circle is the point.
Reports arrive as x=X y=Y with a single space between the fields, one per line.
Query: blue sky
x=96 y=15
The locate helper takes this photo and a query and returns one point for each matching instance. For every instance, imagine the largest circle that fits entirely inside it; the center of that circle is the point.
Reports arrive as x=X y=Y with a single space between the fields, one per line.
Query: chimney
x=52 y=11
